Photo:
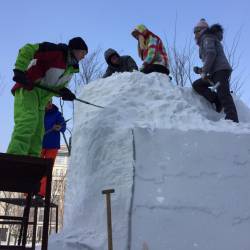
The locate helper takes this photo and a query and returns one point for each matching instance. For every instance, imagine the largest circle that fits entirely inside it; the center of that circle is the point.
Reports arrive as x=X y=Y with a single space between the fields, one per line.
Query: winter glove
x=197 y=70
x=203 y=76
x=57 y=127
x=66 y=94
x=141 y=68
x=20 y=77
x=144 y=65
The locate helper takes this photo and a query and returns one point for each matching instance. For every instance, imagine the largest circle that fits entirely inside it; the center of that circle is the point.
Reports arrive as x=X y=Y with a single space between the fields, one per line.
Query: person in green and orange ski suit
x=49 y=65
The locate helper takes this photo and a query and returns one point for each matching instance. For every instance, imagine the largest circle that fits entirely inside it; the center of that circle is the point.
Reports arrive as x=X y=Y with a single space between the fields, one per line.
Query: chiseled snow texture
x=197 y=194
x=200 y=179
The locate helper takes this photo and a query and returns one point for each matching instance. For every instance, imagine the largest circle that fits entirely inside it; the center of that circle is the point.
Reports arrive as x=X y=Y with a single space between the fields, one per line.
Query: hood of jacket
x=215 y=30
x=108 y=54
x=140 y=30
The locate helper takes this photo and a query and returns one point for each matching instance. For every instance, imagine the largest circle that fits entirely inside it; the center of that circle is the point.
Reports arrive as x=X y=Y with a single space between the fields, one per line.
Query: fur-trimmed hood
x=216 y=30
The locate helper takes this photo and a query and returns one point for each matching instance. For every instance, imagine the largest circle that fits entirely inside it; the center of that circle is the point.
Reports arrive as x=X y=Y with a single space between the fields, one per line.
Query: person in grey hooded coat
x=117 y=63
x=216 y=69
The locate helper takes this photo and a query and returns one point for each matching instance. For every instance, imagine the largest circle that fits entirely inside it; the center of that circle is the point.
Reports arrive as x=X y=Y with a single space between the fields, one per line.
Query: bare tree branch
x=180 y=60
x=91 y=68
x=237 y=81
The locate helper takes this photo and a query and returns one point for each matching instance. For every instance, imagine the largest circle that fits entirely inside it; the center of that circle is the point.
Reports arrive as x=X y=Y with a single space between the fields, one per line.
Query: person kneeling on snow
x=45 y=64
x=151 y=50
x=117 y=63
x=216 y=69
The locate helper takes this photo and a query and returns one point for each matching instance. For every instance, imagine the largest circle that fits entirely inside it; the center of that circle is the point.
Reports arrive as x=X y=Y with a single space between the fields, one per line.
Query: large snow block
x=191 y=190
x=103 y=160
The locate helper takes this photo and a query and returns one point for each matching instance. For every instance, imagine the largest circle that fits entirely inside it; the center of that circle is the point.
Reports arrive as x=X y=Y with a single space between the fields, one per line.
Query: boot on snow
x=218 y=105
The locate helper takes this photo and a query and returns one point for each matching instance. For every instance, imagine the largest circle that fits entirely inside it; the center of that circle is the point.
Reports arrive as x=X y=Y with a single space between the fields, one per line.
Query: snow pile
x=118 y=147
x=152 y=101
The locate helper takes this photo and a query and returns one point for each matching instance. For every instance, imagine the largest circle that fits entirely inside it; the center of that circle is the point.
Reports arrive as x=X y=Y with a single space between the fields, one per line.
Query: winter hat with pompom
x=202 y=24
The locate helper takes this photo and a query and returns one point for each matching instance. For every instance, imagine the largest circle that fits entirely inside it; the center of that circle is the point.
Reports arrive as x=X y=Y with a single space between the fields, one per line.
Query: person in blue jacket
x=54 y=123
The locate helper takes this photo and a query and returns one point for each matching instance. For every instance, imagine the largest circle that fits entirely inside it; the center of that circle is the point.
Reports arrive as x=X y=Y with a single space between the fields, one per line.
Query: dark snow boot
x=232 y=117
x=218 y=105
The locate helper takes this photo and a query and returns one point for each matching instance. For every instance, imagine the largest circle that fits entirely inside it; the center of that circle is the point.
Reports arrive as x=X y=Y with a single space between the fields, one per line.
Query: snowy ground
x=179 y=170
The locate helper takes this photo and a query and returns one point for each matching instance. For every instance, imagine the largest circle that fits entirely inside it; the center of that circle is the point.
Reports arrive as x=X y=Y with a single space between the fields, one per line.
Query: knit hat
x=109 y=53
x=202 y=24
x=77 y=43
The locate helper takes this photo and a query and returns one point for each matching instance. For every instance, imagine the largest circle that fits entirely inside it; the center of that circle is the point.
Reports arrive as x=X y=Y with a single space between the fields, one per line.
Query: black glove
x=20 y=77
x=66 y=94
x=197 y=70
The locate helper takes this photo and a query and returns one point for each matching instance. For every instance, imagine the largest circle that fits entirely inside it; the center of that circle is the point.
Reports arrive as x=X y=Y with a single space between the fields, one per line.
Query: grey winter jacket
x=211 y=53
x=127 y=64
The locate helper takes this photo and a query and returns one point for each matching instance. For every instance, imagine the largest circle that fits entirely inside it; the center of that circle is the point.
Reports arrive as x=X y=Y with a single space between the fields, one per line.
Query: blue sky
x=108 y=24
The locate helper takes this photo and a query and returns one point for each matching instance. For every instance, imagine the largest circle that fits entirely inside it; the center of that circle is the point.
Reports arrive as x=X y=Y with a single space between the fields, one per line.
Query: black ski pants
x=155 y=68
x=223 y=94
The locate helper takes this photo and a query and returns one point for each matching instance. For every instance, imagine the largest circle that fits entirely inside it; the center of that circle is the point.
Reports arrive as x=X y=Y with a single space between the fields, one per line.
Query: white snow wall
x=186 y=190
x=191 y=190
x=100 y=169
x=102 y=157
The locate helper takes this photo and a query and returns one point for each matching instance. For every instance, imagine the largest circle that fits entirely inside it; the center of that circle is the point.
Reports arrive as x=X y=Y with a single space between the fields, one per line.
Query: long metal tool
x=89 y=103
x=51 y=129
x=107 y=192
x=66 y=142
x=58 y=93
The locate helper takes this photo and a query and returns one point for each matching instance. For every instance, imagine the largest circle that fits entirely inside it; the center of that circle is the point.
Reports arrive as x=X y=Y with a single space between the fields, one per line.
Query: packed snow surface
x=180 y=171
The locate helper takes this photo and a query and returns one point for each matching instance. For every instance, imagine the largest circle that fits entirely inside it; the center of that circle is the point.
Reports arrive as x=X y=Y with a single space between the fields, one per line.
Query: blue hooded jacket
x=53 y=116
